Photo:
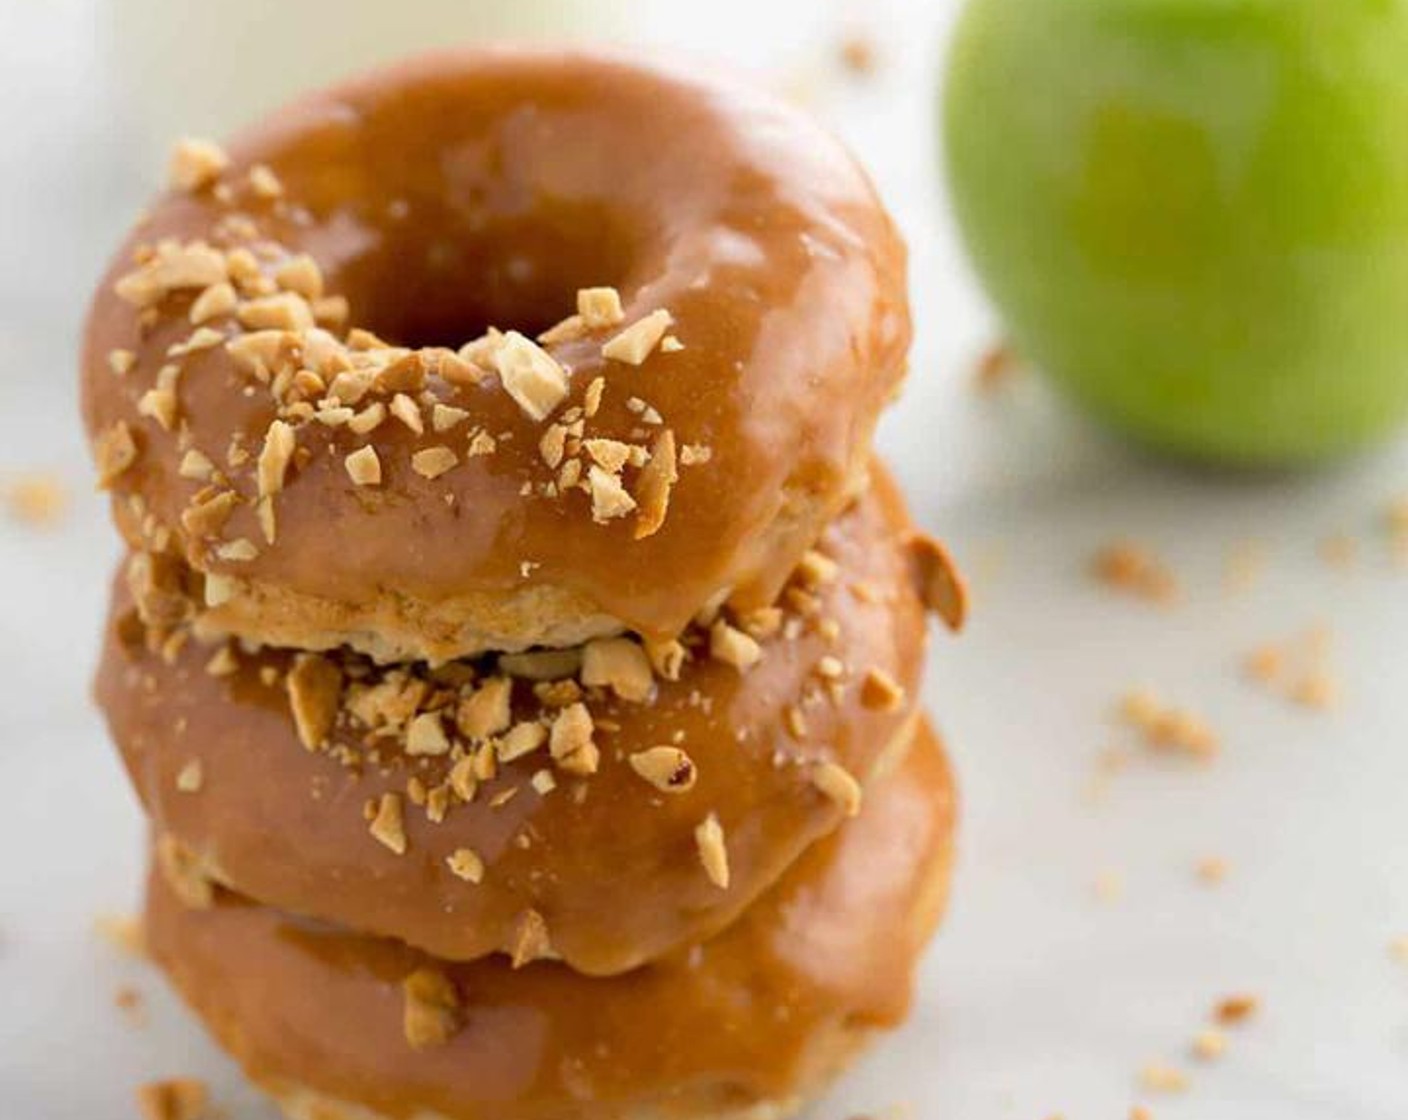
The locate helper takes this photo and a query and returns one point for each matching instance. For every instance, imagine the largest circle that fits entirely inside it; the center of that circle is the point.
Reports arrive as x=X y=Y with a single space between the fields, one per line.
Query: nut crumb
x=1132 y=568
x=530 y=375
x=881 y=692
x=619 y=664
x=1160 y=1078
x=668 y=769
x=941 y=586
x=176 y=1098
x=38 y=500
x=123 y=932
x=1212 y=870
x=388 y=825
x=191 y=777
x=634 y=344
x=837 y=783
x=314 y=690
x=530 y=941
x=653 y=487
x=466 y=864
x=1209 y=1045
x=431 y=1014
x=184 y=873
x=1235 y=1009
x=713 y=851
x=195 y=163
x=733 y=647
x=363 y=466
x=600 y=307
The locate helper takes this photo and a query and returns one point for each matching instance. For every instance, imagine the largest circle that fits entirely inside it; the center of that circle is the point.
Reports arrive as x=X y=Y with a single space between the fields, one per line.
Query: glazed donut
x=753 y=738
x=748 y=1026
x=277 y=392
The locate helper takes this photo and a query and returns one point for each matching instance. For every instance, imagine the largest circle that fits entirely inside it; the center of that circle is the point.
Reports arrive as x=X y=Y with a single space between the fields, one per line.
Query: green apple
x=1194 y=213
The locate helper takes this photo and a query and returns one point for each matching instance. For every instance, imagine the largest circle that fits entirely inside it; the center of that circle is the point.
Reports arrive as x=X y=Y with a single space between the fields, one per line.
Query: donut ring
x=746 y=1026
x=421 y=503
x=605 y=865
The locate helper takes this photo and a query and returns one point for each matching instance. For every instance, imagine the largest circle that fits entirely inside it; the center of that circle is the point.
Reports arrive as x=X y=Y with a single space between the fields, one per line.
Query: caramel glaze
x=763 y=1012
x=484 y=187
x=607 y=860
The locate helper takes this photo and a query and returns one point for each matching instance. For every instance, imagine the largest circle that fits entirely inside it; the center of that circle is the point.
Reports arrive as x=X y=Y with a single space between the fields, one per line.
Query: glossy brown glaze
x=765 y=1012
x=484 y=187
x=608 y=861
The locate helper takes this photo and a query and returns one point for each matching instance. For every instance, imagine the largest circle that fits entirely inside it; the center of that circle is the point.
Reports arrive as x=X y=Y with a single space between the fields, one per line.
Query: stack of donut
x=528 y=724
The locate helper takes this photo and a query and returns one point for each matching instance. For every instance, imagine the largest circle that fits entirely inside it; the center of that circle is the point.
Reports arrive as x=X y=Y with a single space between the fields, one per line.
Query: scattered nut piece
x=466 y=864
x=485 y=712
x=995 y=368
x=609 y=498
x=619 y=664
x=184 y=872
x=285 y=311
x=713 y=852
x=941 y=586
x=314 y=690
x=634 y=344
x=668 y=769
x=195 y=163
x=191 y=777
x=1125 y=566
x=363 y=466
x=175 y=1098
x=432 y=462
x=600 y=307
x=115 y=452
x=530 y=375
x=733 y=647
x=443 y=417
x=881 y=692
x=653 y=487
x=1209 y=1045
x=859 y=54
x=264 y=183
x=432 y=1014
x=426 y=735
x=388 y=825
x=522 y=738
x=1160 y=1078
x=301 y=275
x=275 y=456
x=123 y=932
x=840 y=785
x=571 y=744
x=530 y=942
x=215 y=302
x=1235 y=1009
x=37 y=500
x=1212 y=869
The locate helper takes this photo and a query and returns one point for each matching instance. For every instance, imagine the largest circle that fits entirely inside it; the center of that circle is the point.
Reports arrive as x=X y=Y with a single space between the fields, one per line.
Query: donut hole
x=442 y=279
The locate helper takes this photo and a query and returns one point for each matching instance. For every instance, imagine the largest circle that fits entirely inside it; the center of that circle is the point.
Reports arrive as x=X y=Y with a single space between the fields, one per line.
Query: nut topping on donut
x=267 y=319
x=634 y=344
x=713 y=852
x=432 y=1008
x=195 y=164
x=115 y=451
x=530 y=375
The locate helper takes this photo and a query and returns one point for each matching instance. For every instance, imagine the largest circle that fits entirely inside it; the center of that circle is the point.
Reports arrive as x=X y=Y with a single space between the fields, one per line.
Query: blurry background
x=1111 y=891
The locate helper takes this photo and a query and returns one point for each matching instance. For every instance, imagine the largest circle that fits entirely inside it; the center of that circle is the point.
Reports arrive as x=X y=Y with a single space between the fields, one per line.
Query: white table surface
x=1038 y=998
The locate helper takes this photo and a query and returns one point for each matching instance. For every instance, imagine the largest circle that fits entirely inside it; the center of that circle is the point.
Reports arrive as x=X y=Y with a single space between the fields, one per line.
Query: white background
x=1038 y=998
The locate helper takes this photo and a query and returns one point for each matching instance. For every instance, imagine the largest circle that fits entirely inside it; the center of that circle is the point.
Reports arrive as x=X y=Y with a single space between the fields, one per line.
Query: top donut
x=496 y=349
